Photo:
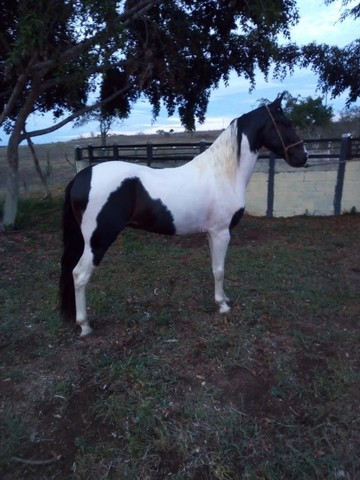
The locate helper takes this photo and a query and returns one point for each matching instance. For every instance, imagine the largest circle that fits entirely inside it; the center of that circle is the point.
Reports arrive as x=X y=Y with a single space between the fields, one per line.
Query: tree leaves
x=172 y=53
x=337 y=68
x=307 y=113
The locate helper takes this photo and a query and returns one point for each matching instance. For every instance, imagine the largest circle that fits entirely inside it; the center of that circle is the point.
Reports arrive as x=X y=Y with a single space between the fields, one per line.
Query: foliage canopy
x=307 y=113
x=52 y=52
x=337 y=68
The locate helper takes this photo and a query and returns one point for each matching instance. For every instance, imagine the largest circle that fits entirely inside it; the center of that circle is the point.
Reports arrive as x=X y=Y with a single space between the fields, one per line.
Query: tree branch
x=73 y=116
x=75 y=51
x=21 y=81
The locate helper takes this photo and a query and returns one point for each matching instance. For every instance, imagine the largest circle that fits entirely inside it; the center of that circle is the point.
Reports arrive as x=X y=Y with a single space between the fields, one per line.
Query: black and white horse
x=204 y=195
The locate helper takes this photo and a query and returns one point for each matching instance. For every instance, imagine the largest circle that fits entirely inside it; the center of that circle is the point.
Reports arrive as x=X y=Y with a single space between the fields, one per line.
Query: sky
x=318 y=22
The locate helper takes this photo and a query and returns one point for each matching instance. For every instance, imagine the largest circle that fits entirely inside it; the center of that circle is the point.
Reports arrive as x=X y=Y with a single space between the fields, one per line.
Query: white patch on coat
x=202 y=194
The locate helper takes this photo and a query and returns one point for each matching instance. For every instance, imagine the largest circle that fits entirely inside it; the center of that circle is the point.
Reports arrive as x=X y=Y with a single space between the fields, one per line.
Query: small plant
x=352 y=211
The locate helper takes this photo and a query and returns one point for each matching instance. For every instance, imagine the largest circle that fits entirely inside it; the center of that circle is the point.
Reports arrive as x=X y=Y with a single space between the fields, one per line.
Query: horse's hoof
x=85 y=331
x=224 y=308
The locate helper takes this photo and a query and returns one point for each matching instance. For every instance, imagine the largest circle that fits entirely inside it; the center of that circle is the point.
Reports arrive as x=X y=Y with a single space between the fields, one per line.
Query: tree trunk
x=12 y=185
x=38 y=168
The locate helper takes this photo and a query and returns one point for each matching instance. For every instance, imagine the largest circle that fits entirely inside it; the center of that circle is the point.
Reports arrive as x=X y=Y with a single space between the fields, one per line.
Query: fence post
x=202 y=146
x=91 y=154
x=78 y=153
x=271 y=186
x=345 y=153
x=149 y=154
x=115 y=152
x=80 y=163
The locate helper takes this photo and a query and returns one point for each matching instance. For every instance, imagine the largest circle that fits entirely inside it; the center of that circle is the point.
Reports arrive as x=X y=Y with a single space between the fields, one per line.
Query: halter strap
x=286 y=148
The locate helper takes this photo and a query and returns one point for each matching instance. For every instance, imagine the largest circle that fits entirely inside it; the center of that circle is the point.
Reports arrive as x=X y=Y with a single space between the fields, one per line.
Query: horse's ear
x=278 y=100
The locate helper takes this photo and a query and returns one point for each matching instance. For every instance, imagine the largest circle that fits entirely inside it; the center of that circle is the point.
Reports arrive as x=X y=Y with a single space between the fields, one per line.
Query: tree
x=348 y=12
x=350 y=121
x=308 y=113
x=337 y=68
x=50 y=53
x=351 y=114
x=55 y=55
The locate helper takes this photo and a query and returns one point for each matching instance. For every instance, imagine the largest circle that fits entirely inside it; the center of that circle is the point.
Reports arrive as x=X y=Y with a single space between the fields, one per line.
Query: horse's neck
x=221 y=157
x=247 y=161
x=230 y=158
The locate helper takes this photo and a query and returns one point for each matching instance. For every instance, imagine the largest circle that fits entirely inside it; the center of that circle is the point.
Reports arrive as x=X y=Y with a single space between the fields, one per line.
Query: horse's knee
x=218 y=274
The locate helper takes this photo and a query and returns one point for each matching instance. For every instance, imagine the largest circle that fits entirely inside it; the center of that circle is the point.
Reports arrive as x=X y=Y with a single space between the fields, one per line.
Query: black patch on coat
x=249 y=125
x=130 y=205
x=79 y=192
x=236 y=218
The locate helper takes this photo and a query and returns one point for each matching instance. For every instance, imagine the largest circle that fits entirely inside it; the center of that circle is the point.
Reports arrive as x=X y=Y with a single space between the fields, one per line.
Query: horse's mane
x=223 y=154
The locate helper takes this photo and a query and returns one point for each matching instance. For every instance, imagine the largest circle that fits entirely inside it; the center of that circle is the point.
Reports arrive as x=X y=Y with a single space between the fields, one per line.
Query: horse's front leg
x=219 y=242
x=81 y=274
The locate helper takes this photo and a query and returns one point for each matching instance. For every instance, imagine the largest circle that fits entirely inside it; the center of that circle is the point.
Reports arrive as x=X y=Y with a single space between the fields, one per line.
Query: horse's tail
x=73 y=247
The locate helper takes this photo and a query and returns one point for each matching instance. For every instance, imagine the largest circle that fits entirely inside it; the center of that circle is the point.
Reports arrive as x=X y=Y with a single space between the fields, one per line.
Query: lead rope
x=331 y=163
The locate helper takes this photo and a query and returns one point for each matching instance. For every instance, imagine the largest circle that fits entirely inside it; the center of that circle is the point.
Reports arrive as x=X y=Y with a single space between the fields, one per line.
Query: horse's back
x=100 y=180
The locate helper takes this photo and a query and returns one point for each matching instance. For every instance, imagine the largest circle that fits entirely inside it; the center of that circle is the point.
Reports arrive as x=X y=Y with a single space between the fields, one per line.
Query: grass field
x=167 y=387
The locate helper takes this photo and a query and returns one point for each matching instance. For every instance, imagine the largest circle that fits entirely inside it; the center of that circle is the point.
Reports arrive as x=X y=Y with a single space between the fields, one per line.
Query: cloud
x=321 y=23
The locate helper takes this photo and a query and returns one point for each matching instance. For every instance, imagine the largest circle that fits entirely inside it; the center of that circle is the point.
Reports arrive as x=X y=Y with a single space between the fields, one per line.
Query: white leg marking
x=219 y=242
x=82 y=273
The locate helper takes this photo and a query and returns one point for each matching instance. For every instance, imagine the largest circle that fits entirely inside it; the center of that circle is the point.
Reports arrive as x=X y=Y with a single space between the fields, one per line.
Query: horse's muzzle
x=295 y=156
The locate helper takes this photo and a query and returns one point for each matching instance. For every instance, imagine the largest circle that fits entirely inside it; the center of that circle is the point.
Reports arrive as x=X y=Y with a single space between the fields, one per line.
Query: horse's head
x=280 y=137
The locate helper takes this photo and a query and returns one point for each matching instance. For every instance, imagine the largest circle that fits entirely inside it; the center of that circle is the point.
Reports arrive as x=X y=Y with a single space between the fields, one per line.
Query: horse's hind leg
x=81 y=274
x=95 y=248
x=219 y=242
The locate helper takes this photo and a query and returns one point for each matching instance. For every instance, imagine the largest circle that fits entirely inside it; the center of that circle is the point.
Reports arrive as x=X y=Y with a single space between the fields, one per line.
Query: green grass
x=167 y=387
